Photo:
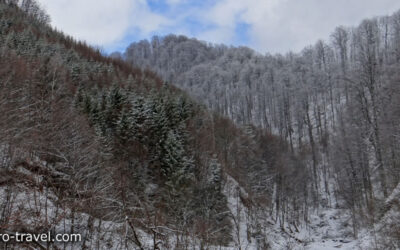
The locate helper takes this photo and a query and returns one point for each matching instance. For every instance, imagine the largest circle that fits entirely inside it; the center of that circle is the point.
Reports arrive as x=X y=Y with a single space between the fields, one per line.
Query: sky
x=273 y=26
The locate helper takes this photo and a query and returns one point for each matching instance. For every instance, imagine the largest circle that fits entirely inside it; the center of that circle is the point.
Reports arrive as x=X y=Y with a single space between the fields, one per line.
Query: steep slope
x=335 y=105
x=93 y=146
x=102 y=144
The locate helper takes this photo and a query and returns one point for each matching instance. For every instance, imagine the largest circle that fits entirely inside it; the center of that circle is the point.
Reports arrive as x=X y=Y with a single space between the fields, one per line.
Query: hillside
x=335 y=104
x=93 y=146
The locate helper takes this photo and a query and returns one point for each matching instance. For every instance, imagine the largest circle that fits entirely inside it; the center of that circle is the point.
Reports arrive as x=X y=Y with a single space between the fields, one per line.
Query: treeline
x=336 y=104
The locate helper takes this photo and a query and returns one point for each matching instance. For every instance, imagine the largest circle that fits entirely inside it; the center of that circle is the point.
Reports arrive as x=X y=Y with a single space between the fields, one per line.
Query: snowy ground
x=239 y=215
x=329 y=227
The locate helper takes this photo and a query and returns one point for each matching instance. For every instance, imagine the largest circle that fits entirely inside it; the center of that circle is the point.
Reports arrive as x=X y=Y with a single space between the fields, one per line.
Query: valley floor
x=329 y=228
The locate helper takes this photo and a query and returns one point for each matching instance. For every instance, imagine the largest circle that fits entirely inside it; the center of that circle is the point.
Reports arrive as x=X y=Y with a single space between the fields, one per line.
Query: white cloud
x=283 y=25
x=218 y=35
x=225 y=15
x=102 y=22
x=146 y=21
x=273 y=25
x=301 y=23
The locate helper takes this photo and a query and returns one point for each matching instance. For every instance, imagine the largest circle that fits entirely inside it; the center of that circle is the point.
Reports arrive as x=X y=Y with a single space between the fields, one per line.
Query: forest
x=182 y=144
x=335 y=105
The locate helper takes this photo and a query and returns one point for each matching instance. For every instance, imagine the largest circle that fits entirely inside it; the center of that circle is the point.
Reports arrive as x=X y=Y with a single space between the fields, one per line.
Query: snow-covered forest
x=181 y=144
x=335 y=105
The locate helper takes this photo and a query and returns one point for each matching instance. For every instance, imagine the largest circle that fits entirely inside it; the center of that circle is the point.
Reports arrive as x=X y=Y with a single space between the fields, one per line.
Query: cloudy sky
x=274 y=26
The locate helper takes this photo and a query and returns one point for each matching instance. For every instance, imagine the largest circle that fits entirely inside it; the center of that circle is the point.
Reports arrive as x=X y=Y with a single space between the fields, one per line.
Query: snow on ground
x=328 y=229
x=239 y=215
x=27 y=206
x=329 y=226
